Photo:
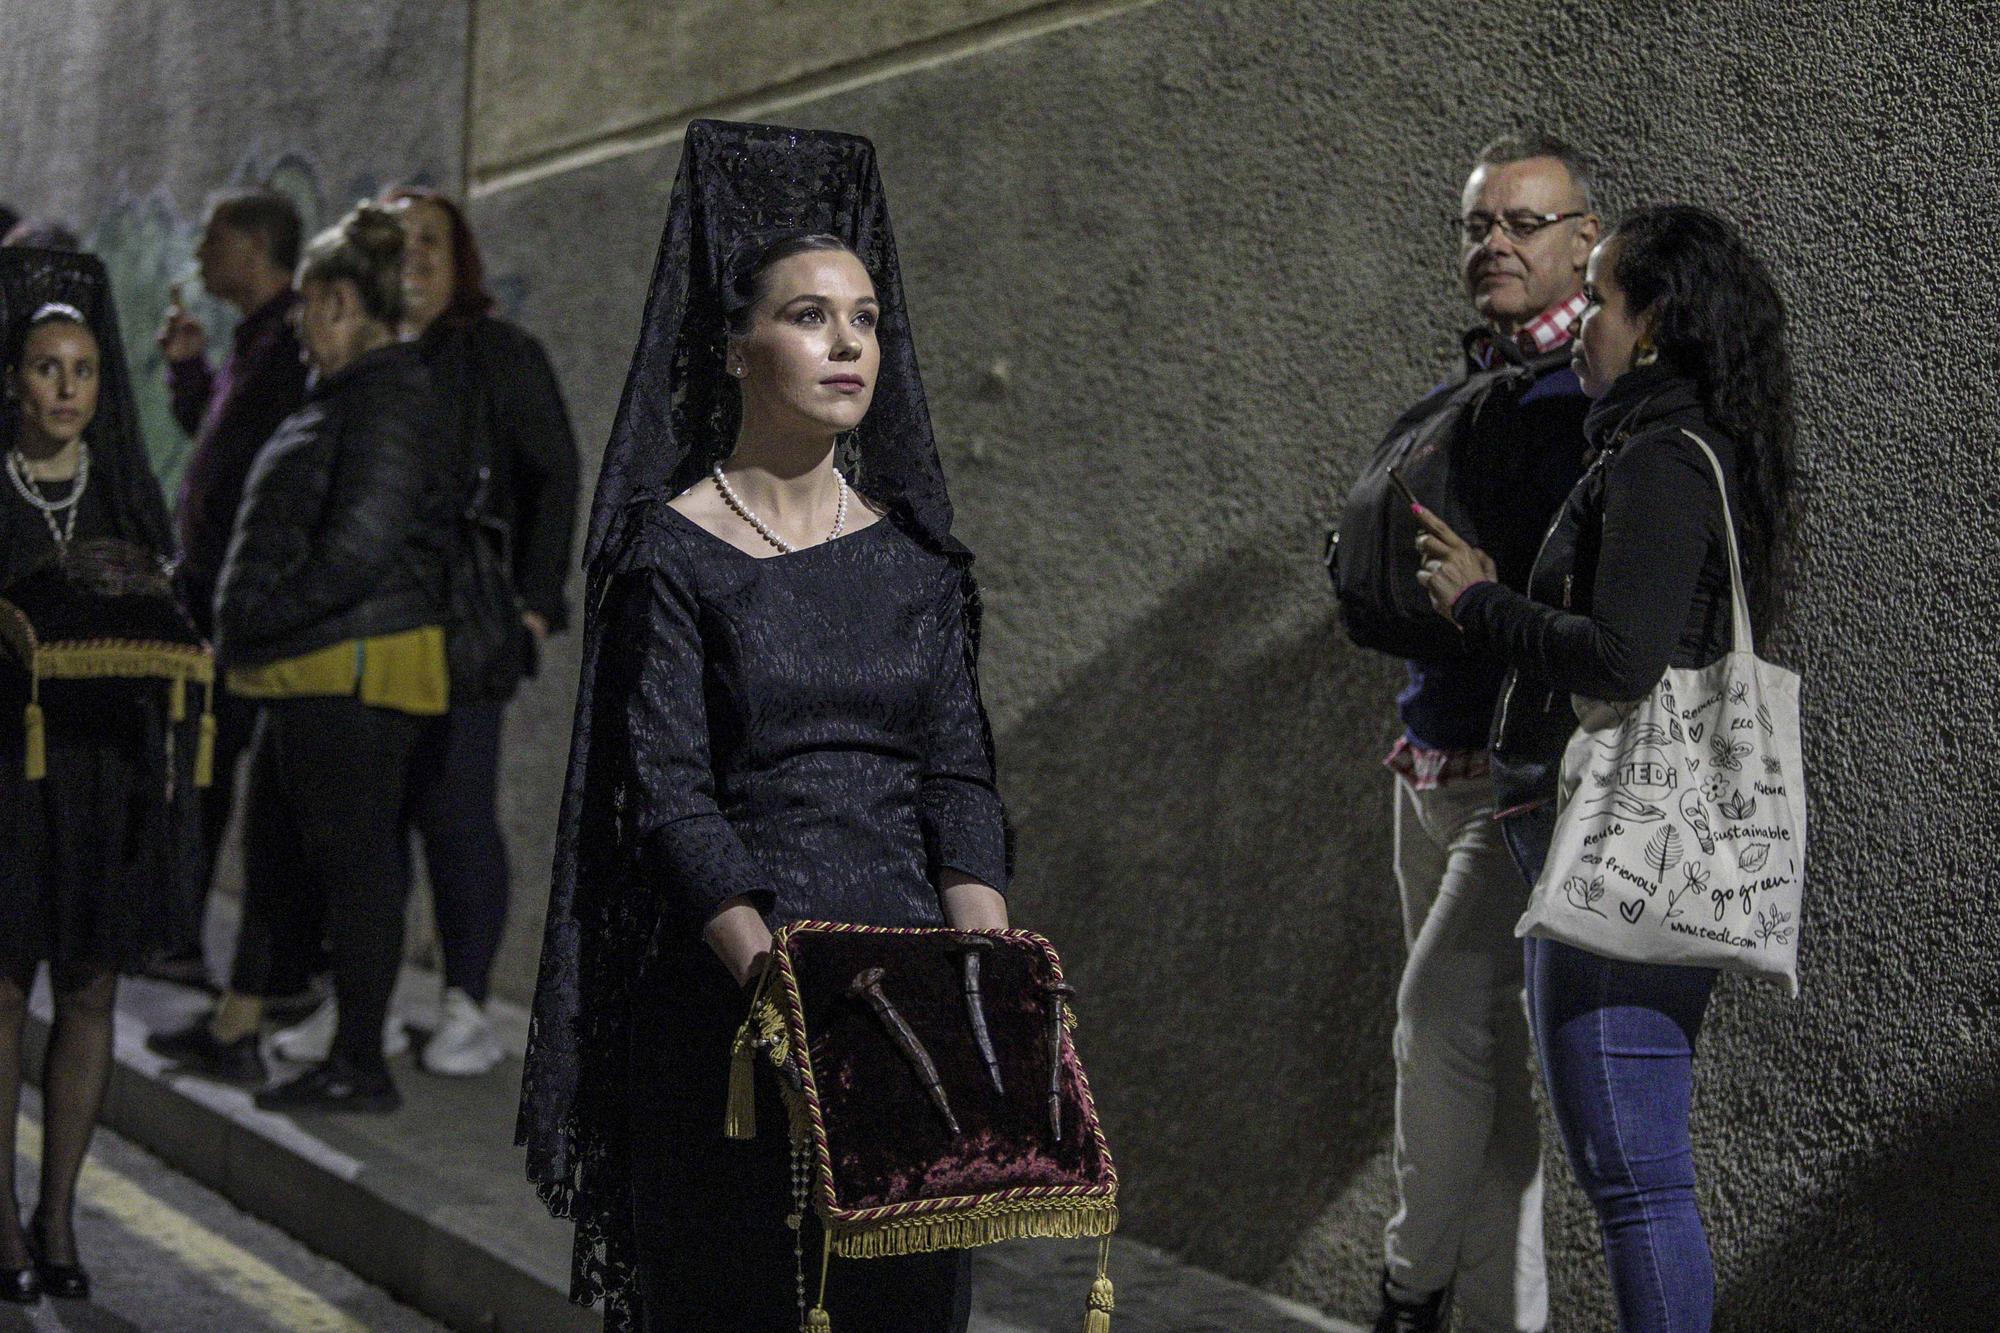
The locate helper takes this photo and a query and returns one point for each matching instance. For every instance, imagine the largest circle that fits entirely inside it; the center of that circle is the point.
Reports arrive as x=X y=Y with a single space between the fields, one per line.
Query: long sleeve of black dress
x=964 y=824
x=690 y=853
x=1627 y=622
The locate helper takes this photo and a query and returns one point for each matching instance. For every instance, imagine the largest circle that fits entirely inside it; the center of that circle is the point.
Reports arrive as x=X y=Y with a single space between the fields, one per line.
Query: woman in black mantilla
x=778 y=718
x=100 y=851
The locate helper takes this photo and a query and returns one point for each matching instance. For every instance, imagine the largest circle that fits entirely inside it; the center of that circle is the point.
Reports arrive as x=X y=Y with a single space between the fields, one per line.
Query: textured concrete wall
x=549 y=78
x=1171 y=273
x=123 y=116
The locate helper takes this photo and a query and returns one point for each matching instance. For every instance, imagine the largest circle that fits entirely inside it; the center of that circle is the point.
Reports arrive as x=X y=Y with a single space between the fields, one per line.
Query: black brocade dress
x=804 y=729
x=97 y=859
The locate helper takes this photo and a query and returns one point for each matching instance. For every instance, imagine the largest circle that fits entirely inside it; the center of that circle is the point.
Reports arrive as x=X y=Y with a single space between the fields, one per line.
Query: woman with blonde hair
x=331 y=611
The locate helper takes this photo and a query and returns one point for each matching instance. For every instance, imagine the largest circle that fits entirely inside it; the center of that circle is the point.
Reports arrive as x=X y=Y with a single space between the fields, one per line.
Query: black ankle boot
x=1400 y=1316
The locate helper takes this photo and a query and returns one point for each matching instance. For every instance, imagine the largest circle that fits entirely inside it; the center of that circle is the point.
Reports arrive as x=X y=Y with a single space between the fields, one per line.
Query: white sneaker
x=311 y=1041
x=465 y=1043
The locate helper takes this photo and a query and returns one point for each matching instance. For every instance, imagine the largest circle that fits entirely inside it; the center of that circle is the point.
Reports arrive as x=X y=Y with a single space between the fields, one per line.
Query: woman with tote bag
x=1668 y=831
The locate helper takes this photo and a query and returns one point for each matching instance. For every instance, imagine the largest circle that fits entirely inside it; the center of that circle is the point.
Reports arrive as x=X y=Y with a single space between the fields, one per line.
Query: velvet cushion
x=886 y=1141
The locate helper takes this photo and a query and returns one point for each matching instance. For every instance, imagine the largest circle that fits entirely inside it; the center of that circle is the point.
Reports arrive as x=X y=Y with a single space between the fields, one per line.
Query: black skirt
x=102 y=866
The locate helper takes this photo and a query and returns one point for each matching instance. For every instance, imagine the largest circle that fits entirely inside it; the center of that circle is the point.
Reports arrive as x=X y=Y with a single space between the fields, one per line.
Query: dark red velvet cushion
x=887 y=1142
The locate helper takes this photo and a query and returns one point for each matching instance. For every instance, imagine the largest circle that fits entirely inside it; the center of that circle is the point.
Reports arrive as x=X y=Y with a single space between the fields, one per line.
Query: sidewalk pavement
x=431 y=1203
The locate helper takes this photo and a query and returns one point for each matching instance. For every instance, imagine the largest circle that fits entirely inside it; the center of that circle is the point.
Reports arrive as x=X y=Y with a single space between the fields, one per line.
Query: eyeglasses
x=1518 y=224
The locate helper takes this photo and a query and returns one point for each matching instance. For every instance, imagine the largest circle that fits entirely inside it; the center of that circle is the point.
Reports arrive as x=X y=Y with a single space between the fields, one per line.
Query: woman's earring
x=739 y=371
x=1645 y=354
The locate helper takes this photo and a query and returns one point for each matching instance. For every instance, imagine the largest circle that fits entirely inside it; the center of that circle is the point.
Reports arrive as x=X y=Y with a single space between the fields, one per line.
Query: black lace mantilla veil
x=734 y=180
x=31 y=279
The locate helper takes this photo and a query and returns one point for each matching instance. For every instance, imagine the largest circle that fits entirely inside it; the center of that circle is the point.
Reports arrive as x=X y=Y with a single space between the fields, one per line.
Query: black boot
x=1400 y=1316
x=334 y=1084
x=196 y=1050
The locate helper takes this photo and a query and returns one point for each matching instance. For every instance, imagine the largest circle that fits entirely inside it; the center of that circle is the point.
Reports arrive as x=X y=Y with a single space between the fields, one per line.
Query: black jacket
x=229 y=416
x=506 y=409
x=1632 y=578
x=347 y=518
x=1521 y=453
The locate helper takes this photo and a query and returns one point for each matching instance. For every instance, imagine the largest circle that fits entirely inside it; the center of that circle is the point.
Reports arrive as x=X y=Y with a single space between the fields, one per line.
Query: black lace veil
x=31 y=279
x=672 y=423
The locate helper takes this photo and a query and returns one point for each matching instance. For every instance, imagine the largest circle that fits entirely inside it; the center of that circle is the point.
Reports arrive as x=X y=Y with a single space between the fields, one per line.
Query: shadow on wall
x=1933 y=1207
x=1204 y=834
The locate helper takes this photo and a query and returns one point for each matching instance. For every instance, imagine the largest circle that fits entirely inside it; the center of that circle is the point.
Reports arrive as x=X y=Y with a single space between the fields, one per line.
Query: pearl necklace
x=31 y=491
x=742 y=510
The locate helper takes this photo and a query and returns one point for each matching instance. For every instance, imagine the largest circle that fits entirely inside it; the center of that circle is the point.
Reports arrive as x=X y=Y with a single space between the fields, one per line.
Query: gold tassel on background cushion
x=36 y=747
x=204 y=746
x=204 y=752
x=1099 y=1318
x=177 y=699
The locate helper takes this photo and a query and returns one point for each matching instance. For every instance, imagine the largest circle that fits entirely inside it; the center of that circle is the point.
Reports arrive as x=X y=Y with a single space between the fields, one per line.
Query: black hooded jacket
x=1632 y=578
x=347 y=518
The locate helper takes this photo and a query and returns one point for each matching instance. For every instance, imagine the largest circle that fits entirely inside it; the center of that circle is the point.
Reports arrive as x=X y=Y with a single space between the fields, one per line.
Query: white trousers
x=1468 y=1153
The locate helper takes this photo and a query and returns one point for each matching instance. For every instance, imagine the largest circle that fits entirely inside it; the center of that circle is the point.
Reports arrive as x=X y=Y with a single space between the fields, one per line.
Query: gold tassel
x=1098 y=1320
x=37 y=744
x=817 y=1319
x=740 y=1120
x=204 y=752
x=177 y=699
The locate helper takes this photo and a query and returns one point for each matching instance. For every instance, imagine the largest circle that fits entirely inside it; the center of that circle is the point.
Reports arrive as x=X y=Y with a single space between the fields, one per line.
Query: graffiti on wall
x=148 y=244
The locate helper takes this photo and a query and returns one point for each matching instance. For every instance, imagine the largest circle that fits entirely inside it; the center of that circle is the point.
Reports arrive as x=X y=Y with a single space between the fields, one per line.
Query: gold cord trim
x=982 y=1224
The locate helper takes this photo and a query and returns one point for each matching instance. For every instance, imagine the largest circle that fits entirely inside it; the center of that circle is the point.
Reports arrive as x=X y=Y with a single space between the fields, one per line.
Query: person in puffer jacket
x=331 y=611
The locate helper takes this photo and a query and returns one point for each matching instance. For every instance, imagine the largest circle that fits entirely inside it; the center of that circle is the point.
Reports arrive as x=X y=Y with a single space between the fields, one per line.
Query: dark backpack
x=1372 y=555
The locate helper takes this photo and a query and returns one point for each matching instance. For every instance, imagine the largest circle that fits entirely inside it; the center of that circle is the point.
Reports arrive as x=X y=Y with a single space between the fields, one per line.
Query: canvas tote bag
x=1681 y=821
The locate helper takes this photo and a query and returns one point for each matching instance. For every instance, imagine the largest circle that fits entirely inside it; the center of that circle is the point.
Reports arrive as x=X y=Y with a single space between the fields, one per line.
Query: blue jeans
x=1616 y=1042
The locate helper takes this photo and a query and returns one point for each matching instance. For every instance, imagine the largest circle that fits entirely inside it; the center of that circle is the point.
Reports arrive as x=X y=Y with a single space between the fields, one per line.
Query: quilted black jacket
x=347 y=518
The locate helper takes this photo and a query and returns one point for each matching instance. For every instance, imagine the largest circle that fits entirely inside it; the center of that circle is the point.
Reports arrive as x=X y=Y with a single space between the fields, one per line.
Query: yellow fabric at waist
x=404 y=671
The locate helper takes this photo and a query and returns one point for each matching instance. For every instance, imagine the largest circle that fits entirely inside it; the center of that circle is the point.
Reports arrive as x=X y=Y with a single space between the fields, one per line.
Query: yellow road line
x=220 y=1262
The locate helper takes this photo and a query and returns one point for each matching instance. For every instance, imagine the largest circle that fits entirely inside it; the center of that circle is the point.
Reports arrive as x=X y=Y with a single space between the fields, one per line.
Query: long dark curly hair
x=1718 y=318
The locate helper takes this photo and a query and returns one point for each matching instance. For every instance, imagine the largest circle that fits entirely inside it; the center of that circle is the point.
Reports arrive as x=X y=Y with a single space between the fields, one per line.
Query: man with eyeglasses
x=1467 y=1232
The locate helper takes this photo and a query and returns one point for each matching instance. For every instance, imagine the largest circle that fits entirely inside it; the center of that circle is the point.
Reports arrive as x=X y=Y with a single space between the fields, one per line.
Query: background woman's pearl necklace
x=735 y=502
x=29 y=490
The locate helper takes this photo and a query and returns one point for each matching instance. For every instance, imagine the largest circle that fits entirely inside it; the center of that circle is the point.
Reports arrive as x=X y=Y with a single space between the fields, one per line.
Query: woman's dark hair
x=756 y=255
x=1717 y=318
x=52 y=312
x=469 y=295
x=366 y=249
